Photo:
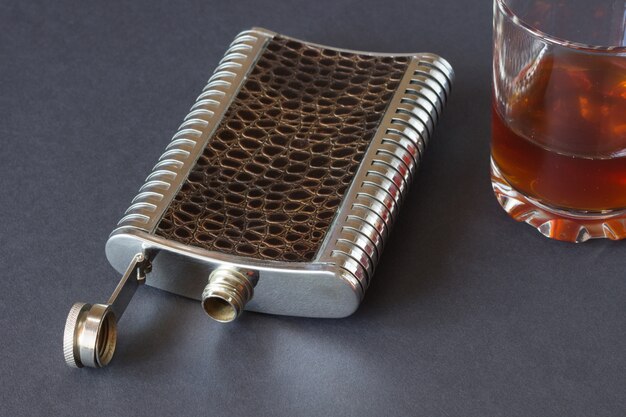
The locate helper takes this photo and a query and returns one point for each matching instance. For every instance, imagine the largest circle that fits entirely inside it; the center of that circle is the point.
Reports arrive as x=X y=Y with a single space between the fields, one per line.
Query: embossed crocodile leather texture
x=274 y=173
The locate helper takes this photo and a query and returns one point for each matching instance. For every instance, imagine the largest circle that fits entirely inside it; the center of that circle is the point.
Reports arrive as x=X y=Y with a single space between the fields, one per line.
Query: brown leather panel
x=273 y=175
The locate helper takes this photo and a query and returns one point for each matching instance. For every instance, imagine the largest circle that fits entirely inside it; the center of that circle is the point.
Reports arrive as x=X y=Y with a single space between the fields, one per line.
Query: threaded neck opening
x=226 y=294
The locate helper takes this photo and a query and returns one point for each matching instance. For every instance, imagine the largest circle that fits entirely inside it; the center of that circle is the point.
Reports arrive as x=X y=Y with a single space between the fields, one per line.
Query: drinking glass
x=558 y=150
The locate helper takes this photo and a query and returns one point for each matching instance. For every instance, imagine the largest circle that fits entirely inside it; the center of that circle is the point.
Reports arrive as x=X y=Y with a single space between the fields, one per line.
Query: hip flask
x=279 y=189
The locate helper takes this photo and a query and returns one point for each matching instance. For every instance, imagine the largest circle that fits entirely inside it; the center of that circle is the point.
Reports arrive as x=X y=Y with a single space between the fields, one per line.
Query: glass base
x=557 y=223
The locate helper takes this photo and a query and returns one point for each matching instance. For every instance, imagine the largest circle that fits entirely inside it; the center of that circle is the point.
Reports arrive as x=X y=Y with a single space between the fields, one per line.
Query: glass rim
x=555 y=40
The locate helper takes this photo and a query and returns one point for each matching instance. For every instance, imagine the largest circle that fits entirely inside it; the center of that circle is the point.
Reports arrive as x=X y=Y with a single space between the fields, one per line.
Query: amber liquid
x=562 y=140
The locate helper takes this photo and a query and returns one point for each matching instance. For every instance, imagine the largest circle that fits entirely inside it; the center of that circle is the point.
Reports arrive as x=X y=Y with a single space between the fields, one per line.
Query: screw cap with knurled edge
x=70 y=349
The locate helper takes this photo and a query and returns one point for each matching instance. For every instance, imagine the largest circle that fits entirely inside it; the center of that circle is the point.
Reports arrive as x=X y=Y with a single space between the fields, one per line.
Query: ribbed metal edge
x=181 y=154
x=69 y=332
x=356 y=238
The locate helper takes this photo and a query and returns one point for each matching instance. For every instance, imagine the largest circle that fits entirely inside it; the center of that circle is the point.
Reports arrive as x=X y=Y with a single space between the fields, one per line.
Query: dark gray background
x=470 y=313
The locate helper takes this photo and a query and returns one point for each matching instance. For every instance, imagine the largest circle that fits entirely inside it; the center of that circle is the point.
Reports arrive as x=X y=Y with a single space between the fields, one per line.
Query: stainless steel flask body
x=281 y=186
